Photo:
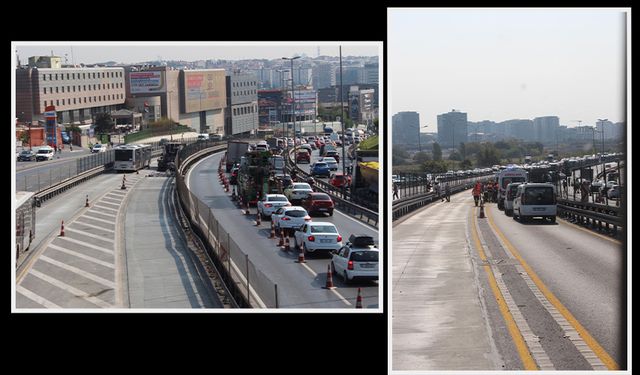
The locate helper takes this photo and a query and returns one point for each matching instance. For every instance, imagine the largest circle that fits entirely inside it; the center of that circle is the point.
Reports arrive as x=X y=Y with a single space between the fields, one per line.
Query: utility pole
x=293 y=107
x=344 y=162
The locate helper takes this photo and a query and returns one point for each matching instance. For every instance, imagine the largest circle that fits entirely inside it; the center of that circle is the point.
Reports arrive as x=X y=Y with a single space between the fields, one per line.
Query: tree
x=399 y=156
x=24 y=137
x=455 y=155
x=421 y=157
x=465 y=164
x=433 y=166
x=437 y=152
x=104 y=123
x=488 y=155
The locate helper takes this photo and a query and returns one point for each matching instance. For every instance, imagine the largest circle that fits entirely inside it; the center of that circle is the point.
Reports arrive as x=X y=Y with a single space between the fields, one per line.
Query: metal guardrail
x=343 y=201
x=596 y=216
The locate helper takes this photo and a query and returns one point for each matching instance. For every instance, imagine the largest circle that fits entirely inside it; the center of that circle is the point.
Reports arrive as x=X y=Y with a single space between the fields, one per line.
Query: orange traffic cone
x=359 y=300
x=86 y=204
x=272 y=234
x=301 y=255
x=258 y=219
x=287 y=246
x=62 y=229
x=123 y=186
x=246 y=212
x=481 y=216
x=281 y=243
x=329 y=284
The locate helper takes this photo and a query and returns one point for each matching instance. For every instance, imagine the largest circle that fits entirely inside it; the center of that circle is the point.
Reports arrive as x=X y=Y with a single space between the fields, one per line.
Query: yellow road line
x=584 y=334
x=521 y=346
x=563 y=222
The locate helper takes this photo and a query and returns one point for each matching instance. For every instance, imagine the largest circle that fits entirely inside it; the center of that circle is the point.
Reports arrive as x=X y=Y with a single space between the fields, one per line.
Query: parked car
x=318 y=202
x=26 y=155
x=270 y=203
x=320 y=169
x=358 y=258
x=535 y=200
x=290 y=217
x=339 y=180
x=98 y=147
x=511 y=190
x=45 y=153
x=298 y=191
x=318 y=237
x=303 y=155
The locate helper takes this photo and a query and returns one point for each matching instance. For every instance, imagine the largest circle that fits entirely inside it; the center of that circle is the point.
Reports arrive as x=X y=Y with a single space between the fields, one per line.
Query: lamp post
x=602 y=155
x=419 y=138
x=293 y=107
x=281 y=71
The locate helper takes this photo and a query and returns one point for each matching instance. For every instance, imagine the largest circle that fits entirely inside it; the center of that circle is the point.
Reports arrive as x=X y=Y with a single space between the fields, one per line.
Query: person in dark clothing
x=447 y=193
x=395 y=191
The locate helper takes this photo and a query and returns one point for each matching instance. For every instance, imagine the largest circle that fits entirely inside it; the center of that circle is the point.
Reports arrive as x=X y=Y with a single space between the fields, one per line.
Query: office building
x=452 y=129
x=405 y=128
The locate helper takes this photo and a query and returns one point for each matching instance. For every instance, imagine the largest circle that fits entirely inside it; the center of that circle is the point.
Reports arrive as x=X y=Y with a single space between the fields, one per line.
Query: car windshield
x=364 y=256
x=296 y=213
x=44 y=151
x=339 y=177
x=97 y=146
x=302 y=186
x=26 y=152
x=507 y=180
x=323 y=229
x=539 y=195
x=277 y=199
x=321 y=197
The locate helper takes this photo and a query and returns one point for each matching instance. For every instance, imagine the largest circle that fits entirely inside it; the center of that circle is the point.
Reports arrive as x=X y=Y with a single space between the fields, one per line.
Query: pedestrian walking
x=447 y=192
x=395 y=191
x=477 y=189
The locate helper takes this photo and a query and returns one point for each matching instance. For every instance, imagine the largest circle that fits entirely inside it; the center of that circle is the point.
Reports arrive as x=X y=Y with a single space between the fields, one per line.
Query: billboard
x=204 y=90
x=146 y=82
x=51 y=127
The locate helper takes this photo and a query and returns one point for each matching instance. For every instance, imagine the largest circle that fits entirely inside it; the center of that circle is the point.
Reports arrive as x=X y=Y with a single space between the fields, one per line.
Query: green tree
x=24 y=137
x=488 y=156
x=465 y=164
x=399 y=156
x=104 y=123
x=437 y=152
x=421 y=157
x=455 y=155
x=433 y=166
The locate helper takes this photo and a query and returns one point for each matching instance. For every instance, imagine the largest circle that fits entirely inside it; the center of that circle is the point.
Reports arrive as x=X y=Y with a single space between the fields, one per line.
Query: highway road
x=299 y=286
x=541 y=296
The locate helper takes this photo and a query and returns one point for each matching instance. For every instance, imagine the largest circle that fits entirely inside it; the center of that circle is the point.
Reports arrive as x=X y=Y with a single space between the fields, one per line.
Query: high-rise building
x=371 y=73
x=405 y=128
x=241 y=114
x=452 y=129
x=323 y=76
x=546 y=128
x=521 y=129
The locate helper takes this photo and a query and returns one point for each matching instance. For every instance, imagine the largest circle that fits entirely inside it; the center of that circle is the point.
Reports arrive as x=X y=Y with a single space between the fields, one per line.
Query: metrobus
x=132 y=157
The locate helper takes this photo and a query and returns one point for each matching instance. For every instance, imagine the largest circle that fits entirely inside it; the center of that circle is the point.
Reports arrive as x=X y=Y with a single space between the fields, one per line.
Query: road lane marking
x=80 y=272
x=36 y=298
x=521 y=346
x=84 y=233
x=564 y=222
x=94 y=211
x=105 y=207
x=597 y=349
x=83 y=256
x=86 y=244
x=77 y=221
x=98 y=219
x=113 y=204
x=107 y=200
x=333 y=290
x=76 y=292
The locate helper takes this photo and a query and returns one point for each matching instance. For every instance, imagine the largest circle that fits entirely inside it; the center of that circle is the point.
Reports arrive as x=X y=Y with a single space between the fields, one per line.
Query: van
x=535 y=200
x=216 y=137
x=45 y=153
x=203 y=137
x=511 y=191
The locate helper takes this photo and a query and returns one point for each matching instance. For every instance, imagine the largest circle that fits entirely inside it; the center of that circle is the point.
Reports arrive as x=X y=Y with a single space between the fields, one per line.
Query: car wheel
x=346 y=278
x=552 y=219
x=330 y=212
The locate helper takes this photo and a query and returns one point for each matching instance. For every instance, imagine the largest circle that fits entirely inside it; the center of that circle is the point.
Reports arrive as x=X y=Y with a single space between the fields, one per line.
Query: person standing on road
x=477 y=189
x=395 y=191
x=447 y=192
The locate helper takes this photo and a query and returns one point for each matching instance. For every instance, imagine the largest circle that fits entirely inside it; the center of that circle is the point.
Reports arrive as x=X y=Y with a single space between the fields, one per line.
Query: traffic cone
x=258 y=219
x=287 y=246
x=86 y=204
x=301 y=255
x=359 y=300
x=233 y=195
x=481 y=216
x=329 y=284
x=281 y=243
x=123 y=186
x=272 y=234
x=247 y=208
x=62 y=229
x=137 y=172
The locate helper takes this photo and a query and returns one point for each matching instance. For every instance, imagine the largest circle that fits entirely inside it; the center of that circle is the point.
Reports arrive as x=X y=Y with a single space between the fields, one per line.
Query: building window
x=74 y=100
x=67 y=76
x=56 y=76
x=44 y=77
x=63 y=101
x=45 y=103
x=94 y=99
x=57 y=102
x=62 y=88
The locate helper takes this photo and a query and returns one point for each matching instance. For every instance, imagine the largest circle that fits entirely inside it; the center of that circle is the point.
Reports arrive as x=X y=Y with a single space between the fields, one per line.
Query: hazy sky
x=136 y=52
x=506 y=64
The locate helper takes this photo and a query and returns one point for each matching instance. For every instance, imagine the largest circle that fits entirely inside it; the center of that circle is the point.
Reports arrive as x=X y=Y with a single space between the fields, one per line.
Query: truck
x=507 y=176
x=255 y=178
x=169 y=152
x=235 y=151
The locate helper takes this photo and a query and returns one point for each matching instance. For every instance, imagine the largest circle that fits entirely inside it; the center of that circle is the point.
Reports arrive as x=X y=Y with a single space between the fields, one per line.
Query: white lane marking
x=94 y=211
x=82 y=256
x=101 y=238
x=107 y=199
x=333 y=290
x=86 y=244
x=118 y=196
x=105 y=208
x=64 y=286
x=357 y=221
x=36 y=298
x=113 y=204
x=80 y=272
x=533 y=342
x=91 y=225
x=98 y=219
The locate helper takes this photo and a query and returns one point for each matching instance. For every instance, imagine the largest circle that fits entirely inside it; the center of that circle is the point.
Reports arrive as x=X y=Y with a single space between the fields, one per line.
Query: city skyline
x=100 y=52
x=500 y=64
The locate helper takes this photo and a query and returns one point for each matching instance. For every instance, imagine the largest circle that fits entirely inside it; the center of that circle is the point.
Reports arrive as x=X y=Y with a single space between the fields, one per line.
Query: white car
x=45 y=153
x=98 y=148
x=318 y=236
x=290 y=217
x=297 y=191
x=270 y=203
x=535 y=200
x=357 y=259
x=331 y=162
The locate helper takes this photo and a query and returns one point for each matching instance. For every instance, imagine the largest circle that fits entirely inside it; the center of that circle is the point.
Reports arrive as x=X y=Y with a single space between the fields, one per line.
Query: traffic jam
x=303 y=220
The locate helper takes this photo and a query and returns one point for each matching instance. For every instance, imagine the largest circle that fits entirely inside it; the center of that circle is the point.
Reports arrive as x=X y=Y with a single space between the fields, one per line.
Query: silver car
x=270 y=203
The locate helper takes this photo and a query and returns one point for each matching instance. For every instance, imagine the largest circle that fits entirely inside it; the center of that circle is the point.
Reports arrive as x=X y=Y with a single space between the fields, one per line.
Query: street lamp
x=419 y=138
x=293 y=107
x=602 y=155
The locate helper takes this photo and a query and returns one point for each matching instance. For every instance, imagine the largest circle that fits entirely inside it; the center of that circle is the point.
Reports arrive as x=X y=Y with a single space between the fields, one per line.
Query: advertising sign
x=204 y=90
x=146 y=82
x=51 y=126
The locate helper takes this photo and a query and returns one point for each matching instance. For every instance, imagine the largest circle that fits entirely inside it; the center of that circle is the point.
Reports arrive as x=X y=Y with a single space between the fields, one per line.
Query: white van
x=203 y=137
x=45 y=153
x=511 y=191
x=535 y=200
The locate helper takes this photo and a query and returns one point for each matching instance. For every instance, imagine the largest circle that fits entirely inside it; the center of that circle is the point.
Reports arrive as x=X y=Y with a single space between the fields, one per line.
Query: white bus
x=132 y=157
